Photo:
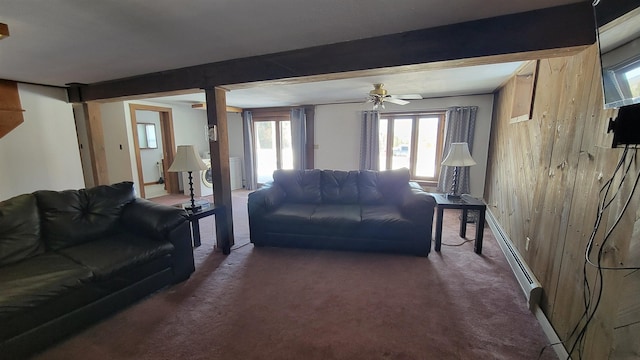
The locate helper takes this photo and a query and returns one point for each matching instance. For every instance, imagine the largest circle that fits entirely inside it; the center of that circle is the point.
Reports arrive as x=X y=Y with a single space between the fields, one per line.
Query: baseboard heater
x=530 y=286
x=528 y=282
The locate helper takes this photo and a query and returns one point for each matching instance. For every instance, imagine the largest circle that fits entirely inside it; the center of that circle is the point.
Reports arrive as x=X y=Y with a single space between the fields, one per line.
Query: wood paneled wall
x=543 y=182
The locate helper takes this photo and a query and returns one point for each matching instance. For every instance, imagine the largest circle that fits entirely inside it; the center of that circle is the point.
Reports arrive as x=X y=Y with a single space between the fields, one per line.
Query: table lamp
x=458 y=156
x=187 y=159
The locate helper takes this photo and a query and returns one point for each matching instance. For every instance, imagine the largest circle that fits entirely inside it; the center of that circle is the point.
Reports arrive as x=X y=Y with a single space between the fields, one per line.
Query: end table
x=194 y=218
x=465 y=203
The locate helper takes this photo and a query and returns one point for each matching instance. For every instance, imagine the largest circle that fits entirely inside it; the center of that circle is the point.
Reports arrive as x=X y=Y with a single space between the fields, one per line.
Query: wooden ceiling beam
x=551 y=28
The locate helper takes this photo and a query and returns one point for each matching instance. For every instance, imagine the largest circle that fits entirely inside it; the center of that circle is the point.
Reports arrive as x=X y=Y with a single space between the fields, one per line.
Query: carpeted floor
x=272 y=303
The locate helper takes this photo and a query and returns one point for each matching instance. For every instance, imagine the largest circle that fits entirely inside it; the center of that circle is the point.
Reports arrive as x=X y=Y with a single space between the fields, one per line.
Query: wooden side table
x=194 y=219
x=465 y=203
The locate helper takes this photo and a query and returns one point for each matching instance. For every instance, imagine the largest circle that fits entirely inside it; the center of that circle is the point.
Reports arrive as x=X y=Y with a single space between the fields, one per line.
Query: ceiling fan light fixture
x=378 y=102
x=378 y=96
x=378 y=90
x=4 y=31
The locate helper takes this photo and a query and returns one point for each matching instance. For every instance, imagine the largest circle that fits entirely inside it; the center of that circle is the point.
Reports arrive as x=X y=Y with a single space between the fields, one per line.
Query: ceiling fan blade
x=396 y=101
x=408 y=96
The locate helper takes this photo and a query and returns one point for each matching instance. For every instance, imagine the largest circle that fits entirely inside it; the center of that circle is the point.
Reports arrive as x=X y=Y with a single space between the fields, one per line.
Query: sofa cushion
x=38 y=280
x=289 y=217
x=300 y=186
x=393 y=184
x=386 y=222
x=383 y=187
x=125 y=252
x=75 y=216
x=332 y=219
x=339 y=187
x=369 y=192
x=19 y=229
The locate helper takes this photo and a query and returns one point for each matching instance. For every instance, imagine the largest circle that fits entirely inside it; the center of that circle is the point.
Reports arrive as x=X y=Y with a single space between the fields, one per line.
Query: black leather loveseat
x=69 y=258
x=351 y=210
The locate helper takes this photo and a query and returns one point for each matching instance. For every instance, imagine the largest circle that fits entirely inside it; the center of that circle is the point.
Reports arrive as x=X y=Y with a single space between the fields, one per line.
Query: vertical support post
x=219 y=147
x=95 y=135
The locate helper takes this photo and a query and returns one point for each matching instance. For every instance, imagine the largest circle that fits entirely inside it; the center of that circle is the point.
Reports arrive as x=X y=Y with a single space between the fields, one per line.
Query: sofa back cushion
x=19 y=229
x=339 y=187
x=382 y=187
x=72 y=217
x=300 y=186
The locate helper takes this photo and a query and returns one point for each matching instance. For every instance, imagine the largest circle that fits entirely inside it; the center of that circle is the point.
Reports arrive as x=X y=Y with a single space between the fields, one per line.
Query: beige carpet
x=273 y=303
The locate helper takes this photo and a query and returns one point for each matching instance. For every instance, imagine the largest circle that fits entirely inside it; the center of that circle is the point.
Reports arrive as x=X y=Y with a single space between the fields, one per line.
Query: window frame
x=390 y=117
x=277 y=116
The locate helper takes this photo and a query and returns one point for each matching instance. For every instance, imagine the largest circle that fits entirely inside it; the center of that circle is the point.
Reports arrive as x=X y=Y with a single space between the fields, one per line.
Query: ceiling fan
x=379 y=95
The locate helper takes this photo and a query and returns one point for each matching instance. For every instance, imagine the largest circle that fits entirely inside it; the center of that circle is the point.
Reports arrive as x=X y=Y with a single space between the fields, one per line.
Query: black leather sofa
x=349 y=210
x=69 y=258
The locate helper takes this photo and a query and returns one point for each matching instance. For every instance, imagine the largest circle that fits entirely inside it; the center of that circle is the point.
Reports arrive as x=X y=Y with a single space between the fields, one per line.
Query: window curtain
x=369 y=142
x=299 y=138
x=251 y=182
x=460 y=125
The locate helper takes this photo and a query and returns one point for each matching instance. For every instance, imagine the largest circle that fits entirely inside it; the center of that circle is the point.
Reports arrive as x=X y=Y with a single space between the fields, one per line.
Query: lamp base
x=453 y=196
x=193 y=209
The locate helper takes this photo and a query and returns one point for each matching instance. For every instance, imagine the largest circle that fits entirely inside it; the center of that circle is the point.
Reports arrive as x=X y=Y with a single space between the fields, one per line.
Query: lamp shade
x=187 y=159
x=459 y=155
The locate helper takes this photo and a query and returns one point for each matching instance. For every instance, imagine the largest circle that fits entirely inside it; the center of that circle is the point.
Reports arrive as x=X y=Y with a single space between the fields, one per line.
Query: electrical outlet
x=526 y=245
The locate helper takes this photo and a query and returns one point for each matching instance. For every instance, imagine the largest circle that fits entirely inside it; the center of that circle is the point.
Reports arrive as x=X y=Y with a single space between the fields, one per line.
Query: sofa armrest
x=162 y=222
x=151 y=219
x=417 y=205
x=265 y=199
x=261 y=202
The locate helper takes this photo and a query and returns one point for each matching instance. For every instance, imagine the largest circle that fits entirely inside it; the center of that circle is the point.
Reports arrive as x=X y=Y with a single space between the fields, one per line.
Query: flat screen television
x=619 y=41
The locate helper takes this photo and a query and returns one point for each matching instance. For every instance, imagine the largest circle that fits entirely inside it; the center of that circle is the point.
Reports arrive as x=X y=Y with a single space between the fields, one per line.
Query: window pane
x=286 y=151
x=401 y=143
x=266 y=160
x=382 y=133
x=151 y=136
x=427 y=142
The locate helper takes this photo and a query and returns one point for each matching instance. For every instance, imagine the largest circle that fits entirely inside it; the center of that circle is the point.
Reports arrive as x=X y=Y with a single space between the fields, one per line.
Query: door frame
x=168 y=146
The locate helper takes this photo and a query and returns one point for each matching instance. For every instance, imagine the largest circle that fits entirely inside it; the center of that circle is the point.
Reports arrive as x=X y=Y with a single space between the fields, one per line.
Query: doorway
x=154 y=145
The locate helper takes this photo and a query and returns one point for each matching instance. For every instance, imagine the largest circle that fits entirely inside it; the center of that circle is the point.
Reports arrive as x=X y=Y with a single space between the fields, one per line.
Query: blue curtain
x=299 y=138
x=460 y=124
x=251 y=182
x=369 y=142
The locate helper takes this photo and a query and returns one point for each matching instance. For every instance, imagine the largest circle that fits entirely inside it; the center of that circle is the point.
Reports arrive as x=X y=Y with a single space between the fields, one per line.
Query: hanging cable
x=590 y=297
x=615 y=224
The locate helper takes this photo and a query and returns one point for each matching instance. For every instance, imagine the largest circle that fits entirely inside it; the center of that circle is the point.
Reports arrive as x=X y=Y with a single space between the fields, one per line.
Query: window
x=147 y=136
x=413 y=141
x=272 y=144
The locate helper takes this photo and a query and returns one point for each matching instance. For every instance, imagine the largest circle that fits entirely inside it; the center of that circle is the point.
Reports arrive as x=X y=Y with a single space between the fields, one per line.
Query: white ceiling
x=64 y=41
x=435 y=83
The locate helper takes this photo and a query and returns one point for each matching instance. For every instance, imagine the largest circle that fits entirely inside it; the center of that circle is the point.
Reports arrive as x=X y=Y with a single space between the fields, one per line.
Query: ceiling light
x=4 y=31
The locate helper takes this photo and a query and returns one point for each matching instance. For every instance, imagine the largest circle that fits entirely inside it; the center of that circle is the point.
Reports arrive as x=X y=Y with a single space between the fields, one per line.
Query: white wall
x=189 y=125
x=41 y=153
x=337 y=133
x=236 y=140
x=189 y=129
